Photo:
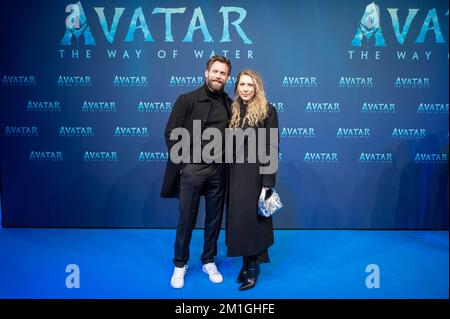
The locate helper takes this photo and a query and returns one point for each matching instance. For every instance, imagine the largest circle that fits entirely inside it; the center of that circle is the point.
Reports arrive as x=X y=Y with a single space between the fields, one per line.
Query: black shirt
x=218 y=116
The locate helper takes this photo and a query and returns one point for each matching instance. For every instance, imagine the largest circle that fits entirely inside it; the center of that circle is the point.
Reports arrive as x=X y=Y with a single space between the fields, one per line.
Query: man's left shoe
x=214 y=275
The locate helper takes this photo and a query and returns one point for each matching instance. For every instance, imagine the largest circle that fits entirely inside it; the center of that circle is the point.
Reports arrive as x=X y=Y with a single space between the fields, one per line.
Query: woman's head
x=245 y=88
x=249 y=89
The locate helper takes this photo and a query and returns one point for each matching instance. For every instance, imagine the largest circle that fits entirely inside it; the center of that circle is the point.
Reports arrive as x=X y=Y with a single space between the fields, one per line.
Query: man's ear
x=206 y=73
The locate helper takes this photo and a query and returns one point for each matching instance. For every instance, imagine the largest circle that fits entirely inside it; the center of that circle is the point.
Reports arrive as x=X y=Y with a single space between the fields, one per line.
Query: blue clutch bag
x=268 y=207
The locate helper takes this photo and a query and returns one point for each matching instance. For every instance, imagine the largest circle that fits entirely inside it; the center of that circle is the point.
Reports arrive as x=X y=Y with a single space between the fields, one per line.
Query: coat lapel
x=203 y=105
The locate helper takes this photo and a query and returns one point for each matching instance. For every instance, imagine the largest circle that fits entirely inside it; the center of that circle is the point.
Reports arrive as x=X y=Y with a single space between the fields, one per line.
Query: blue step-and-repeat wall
x=361 y=90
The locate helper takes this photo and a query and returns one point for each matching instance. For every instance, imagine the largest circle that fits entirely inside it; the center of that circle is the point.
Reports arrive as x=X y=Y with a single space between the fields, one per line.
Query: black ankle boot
x=242 y=277
x=252 y=277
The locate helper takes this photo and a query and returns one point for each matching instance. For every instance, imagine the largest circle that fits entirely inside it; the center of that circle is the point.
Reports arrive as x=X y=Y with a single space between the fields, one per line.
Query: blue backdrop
x=361 y=90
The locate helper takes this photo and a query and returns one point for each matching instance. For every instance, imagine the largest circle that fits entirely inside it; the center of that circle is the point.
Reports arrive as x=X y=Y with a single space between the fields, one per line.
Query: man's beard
x=215 y=86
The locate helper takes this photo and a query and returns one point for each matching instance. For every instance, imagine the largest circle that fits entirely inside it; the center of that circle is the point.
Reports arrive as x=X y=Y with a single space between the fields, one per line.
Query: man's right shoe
x=177 y=280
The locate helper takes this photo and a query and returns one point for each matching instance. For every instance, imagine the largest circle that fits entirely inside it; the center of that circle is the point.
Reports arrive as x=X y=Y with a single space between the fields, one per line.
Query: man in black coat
x=209 y=106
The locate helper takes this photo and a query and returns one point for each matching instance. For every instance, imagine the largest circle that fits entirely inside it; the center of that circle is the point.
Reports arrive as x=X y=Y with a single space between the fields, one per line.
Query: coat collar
x=203 y=97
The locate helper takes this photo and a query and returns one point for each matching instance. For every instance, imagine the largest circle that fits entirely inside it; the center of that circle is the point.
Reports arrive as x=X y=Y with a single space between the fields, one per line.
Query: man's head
x=218 y=69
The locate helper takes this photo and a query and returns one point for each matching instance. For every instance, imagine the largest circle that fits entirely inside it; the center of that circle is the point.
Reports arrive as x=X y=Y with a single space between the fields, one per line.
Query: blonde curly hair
x=257 y=109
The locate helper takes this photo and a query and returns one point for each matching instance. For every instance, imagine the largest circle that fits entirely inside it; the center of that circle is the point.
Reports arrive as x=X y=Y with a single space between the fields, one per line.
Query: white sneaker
x=177 y=280
x=214 y=275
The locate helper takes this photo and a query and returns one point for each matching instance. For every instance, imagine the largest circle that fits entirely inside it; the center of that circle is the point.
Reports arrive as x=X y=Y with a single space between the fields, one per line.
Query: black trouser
x=250 y=260
x=195 y=180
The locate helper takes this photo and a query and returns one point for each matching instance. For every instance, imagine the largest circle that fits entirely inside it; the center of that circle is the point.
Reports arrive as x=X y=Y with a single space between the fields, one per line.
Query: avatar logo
x=76 y=24
x=370 y=26
x=45 y=156
x=431 y=158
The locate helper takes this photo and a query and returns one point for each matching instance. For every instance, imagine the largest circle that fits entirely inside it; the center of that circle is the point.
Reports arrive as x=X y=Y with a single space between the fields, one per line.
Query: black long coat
x=247 y=233
x=191 y=106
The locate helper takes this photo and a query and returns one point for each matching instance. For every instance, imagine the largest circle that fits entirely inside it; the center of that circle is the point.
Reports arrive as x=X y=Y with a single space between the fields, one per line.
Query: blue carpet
x=137 y=263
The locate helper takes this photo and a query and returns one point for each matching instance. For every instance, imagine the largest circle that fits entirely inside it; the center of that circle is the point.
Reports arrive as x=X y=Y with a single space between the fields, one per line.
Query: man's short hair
x=218 y=58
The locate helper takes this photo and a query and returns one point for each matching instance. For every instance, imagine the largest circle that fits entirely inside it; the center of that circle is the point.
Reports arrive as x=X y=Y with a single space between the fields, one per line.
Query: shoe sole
x=176 y=287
